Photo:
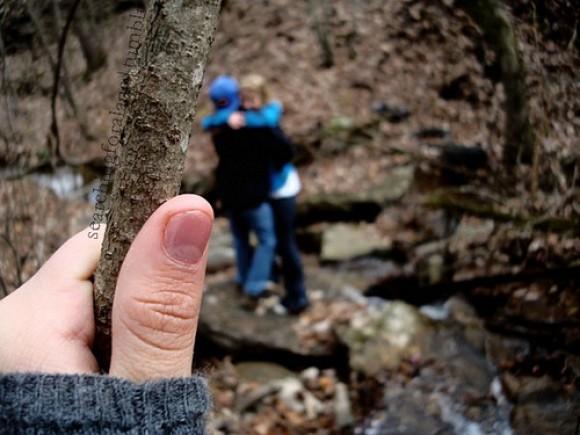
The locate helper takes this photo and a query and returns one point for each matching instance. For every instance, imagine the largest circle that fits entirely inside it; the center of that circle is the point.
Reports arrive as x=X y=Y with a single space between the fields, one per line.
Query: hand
x=237 y=120
x=47 y=325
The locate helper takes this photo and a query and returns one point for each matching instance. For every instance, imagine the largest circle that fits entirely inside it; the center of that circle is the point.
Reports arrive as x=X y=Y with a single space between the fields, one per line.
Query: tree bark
x=162 y=99
x=494 y=21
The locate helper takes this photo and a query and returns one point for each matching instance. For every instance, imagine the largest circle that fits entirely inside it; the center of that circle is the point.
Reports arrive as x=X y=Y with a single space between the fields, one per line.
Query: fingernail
x=186 y=236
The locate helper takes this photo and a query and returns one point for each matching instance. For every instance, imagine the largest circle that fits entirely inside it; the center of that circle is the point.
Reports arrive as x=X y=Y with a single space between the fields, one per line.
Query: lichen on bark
x=161 y=104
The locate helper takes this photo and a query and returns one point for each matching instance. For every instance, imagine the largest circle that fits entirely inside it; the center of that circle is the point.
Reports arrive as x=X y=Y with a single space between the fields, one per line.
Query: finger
x=75 y=260
x=159 y=292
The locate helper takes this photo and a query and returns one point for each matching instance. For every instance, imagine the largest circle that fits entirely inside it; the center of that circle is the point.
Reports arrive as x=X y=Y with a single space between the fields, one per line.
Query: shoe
x=251 y=302
x=294 y=308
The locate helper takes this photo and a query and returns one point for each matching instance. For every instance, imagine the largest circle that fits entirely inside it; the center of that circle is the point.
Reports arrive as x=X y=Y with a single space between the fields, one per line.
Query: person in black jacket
x=243 y=177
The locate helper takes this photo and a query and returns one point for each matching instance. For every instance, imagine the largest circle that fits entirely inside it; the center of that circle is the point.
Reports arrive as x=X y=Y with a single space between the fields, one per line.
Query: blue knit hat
x=225 y=93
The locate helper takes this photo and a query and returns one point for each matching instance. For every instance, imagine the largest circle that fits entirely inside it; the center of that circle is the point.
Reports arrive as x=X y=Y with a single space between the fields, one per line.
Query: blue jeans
x=284 y=218
x=254 y=265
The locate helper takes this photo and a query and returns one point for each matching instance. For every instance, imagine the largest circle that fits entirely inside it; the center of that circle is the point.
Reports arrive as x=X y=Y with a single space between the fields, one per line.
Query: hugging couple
x=257 y=185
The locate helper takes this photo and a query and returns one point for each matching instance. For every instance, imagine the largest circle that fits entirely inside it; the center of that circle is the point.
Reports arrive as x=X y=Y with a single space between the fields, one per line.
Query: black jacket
x=246 y=159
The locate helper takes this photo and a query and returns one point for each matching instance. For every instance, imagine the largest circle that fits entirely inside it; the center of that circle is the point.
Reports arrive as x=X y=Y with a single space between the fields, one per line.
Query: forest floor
x=464 y=275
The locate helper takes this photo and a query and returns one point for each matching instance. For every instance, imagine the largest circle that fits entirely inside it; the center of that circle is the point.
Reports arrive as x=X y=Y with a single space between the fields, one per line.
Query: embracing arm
x=215 y=120
x=268 y=116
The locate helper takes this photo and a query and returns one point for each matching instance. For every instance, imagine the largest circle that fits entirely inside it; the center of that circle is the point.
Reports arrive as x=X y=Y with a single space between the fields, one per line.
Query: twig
x=61 y=44
x=573 y=37
x=7 y=91
x=39 y=29
x=16 y=258
x=3 y=287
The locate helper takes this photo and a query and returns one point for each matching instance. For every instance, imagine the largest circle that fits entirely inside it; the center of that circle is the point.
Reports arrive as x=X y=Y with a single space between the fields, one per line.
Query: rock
x=230 y=327
x=254 y=397
x=502 y=351
x=343 y=417
x=462 y=312
x=312 y=406
x=220 y=258
x=261 y=372
x=391 y=113
x=433 y=133
x=382 y=336
x=408 y=412
x=431 y=270
x=470 y=158
x=521 y=389
x=221 y=254
x=358 y=206
x=337 y=207
x=448 y=394
x=342 y=242
x=343 y=132
x=471 y=232
x=394 y=185
x=339 y=124
x=296 y=398
x=310 y=377
x=549 y=417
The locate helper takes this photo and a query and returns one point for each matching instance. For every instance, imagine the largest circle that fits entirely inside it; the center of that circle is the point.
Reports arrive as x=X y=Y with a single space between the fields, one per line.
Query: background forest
x=438 y=147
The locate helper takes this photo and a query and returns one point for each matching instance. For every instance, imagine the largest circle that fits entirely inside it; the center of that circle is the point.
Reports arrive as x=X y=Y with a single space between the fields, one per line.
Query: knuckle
x=165 y=311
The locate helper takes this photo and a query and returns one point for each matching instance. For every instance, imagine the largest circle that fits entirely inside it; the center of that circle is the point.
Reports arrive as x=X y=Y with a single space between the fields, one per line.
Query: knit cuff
x=96 y=403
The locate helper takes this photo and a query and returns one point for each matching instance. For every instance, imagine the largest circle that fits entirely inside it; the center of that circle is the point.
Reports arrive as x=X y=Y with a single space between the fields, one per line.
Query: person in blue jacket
x=246 y=156
x=285 y=183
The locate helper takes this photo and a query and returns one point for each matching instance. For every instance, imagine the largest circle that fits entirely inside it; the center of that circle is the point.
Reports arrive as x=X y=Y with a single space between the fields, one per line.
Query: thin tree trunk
x=494 y=21
x=320 y=11
x=41 y=36
x=162 y=99
x=8 y=135
x=93 y=52
x=58 y=154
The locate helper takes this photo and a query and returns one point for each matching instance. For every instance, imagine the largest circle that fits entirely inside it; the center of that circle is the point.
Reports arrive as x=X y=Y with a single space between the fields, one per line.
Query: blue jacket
x=269 y=115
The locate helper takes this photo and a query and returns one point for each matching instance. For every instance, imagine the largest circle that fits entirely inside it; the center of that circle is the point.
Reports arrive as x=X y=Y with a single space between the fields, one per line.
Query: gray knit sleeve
x=93 y=404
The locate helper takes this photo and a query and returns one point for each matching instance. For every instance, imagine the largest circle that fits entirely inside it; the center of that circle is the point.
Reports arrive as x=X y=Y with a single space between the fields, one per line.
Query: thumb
x=159 y=290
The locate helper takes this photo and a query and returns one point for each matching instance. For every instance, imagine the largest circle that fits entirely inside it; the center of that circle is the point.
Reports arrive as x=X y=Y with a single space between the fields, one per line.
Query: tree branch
x=57 y=68
x=162 y=97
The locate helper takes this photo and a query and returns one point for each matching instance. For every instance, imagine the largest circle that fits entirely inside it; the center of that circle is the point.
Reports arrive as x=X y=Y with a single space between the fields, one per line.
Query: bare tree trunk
x=9 y=100
x=320 y=11
x=494 y=21
x=162 y=100
x=41 y=36
x=93 y=52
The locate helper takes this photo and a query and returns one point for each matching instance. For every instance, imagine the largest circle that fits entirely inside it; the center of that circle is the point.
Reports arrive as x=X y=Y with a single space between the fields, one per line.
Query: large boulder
x=394 y=185
x=356 y=206
x=382 y=336
x=227 y=324
x=342 y=242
